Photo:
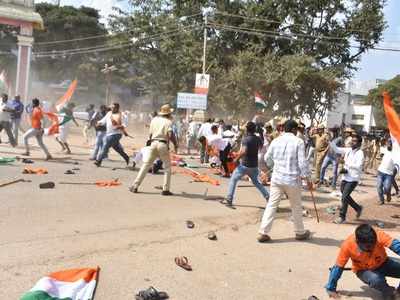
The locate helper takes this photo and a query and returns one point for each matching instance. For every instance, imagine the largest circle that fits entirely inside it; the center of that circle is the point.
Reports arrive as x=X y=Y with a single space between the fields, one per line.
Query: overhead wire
x=155 y=37
x=106 y=35
x=286 y=36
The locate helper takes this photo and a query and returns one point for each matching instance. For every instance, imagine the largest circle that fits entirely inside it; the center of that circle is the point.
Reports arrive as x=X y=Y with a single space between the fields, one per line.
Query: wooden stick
x=13 y=182
x=77 y=183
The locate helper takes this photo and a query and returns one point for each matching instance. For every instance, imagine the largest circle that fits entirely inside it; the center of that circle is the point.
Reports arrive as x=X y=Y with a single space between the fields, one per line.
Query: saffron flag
x=67 y=96
x=55 y=125
x=75 y=284
x=393 y=121
x=260 y=103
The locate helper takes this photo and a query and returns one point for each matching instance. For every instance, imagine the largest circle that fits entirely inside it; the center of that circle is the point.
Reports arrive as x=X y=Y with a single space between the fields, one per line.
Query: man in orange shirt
x=36 y=130
x=366 y=249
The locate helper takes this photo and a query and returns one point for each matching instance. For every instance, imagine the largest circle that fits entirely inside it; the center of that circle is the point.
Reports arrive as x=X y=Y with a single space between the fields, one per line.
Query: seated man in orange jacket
x=366 y=249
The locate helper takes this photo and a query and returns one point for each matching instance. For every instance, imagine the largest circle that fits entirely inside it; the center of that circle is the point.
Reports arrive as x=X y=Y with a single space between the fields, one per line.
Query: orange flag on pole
x=68 y=95
x=393 y=122
x=393 y=119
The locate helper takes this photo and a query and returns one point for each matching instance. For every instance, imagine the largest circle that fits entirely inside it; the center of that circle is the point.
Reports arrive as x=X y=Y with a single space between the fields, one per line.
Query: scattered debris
x=6 y=160
x=37 y=171
x=380 y=224
x=158 y=187
x=27 y=161
x=189 y=224
x=313 y=298
x=235 y=227
x=395 y=216
x=99 y=183
x=183 y=262
x=290 y=270
x=13 y=182
x=151 y=294
x=331 y=210
x=69 y=172
x=47 y=185
x=212 y=236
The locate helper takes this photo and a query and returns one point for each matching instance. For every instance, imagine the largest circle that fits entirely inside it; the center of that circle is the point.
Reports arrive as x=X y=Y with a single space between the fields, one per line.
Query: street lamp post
x=107 y=72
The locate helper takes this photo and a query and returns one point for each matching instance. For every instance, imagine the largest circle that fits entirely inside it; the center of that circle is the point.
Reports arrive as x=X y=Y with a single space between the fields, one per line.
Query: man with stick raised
x=287 y=155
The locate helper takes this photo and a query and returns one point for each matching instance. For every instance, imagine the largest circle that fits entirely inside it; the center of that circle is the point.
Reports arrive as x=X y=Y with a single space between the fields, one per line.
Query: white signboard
x=192 y=101
x=202 y=81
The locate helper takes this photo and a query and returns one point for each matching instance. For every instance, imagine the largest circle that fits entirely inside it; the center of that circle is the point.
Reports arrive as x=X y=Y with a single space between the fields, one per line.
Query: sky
x=373 y=65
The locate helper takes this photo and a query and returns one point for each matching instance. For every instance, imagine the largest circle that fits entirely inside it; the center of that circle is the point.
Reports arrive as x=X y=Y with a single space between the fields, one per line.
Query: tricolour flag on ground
x=67 y=96
x=393 y=122
x=75 y=284
x=260 y=103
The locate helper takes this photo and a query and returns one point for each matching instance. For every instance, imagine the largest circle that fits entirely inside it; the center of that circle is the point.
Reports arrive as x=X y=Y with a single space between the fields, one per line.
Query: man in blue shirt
x=16 y=115
x=248 y=155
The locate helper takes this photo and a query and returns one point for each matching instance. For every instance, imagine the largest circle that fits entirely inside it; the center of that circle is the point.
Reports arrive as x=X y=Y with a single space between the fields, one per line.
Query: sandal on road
x=183 y=263
x=212 y=236
x=189 y=224
x=151 y=294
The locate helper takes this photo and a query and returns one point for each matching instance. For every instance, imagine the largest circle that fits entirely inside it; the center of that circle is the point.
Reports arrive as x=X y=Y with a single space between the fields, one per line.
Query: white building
x=351 y=108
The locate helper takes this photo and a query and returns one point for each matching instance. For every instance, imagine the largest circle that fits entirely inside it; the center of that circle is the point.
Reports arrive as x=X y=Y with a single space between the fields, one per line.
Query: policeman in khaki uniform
x=322 y=140
x=160 y=135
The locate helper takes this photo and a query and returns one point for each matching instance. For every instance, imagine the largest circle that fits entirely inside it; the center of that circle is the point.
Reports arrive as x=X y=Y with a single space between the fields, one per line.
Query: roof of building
x=21 y=13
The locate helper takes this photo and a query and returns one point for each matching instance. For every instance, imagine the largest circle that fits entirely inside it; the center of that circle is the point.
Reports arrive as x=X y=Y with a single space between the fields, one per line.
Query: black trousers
x=347 y=188
x=223 y=157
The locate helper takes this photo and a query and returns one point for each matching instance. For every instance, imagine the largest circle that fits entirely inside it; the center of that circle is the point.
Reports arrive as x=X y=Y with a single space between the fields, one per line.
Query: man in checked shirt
x=287 y=155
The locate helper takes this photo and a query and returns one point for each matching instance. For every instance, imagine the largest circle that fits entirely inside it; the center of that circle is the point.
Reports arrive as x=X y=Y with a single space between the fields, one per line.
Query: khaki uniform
x=373 y=160
x=367 y=148
x=321 y=148
x=160 y=128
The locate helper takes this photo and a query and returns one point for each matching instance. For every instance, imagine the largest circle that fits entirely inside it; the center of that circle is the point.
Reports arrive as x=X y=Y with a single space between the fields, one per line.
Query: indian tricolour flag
x=260 y=103
x=393 y=121
x=75 y=284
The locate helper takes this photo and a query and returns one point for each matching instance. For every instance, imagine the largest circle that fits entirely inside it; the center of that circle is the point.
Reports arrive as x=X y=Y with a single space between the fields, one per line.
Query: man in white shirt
x=191 y=135
x=5 y=119
x=222 y=146
x=287 y=155
x=114 y=131
x=352 y=170
x=204 y=132
x=385 y=176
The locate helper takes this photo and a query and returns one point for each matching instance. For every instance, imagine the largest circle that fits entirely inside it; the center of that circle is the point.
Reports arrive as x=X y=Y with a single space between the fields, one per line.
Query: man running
x=248 y=157
x=67 y=115
x=36 y=130
x=287 y=155
x=115 y=130
x=352 y=170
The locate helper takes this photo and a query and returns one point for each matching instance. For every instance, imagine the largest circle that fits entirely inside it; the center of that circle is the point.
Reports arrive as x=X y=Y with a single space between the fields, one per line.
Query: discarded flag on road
x=260 y=103
x=74 y=284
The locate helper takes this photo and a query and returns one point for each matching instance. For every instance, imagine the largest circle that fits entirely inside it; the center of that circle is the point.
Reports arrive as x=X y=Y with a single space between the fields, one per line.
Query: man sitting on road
x=366 y=249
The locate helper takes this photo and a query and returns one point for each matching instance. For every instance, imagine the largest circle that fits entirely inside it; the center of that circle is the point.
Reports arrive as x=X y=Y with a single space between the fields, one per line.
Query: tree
x=375 y=98
x=305 y=48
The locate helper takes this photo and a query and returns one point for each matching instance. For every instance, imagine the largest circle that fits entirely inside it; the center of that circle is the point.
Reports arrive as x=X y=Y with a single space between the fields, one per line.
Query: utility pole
x=107 y=72
x=205 y=44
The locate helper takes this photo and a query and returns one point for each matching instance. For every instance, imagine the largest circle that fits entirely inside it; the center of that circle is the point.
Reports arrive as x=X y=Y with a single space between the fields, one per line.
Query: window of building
x=357 y=117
